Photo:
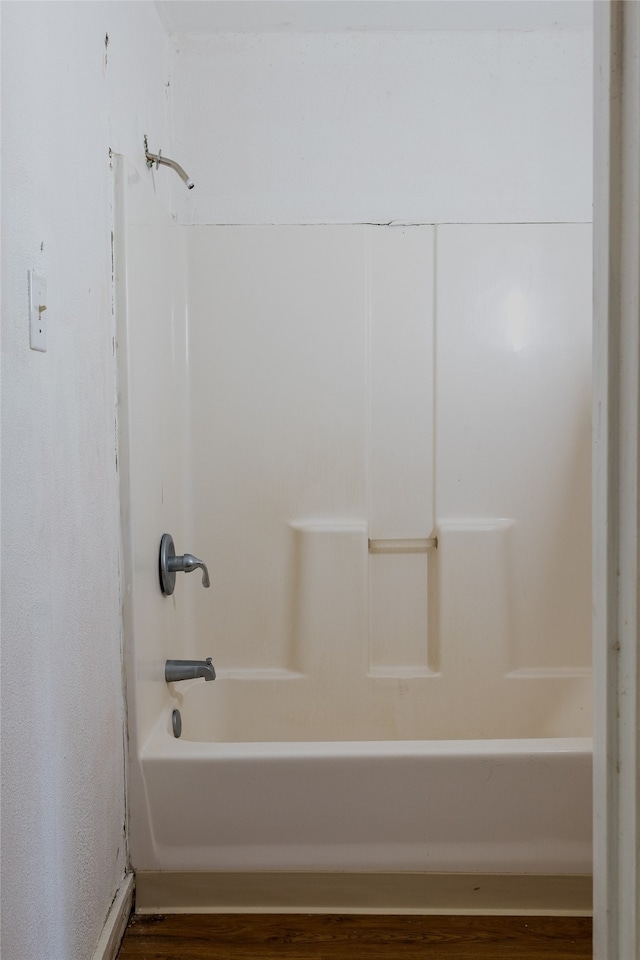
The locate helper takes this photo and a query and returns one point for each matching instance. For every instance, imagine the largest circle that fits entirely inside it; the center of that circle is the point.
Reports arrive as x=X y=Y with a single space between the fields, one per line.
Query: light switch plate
x=37 y=312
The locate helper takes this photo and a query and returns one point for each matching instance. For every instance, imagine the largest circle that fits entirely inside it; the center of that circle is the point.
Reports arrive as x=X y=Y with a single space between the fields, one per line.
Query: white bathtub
x=459 y=806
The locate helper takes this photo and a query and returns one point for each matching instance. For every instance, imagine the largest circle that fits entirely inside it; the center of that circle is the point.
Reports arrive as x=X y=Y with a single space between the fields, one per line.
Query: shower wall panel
x=311 y=356
x=514 y=422
x=341 y=426
x=278 y=373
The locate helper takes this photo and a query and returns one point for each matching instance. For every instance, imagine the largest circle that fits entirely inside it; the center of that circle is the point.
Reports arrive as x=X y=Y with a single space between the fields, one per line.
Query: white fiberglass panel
x=312 y=373
x=278 y=373
x=514 y=421
x=401 y=384
x=311 y=370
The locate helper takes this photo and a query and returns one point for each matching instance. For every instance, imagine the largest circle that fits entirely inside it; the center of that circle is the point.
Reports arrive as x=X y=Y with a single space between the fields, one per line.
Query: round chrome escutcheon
x=167 y=577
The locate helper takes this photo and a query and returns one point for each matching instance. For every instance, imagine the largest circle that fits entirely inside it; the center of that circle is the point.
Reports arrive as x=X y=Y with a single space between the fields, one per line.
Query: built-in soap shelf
x=403 y=545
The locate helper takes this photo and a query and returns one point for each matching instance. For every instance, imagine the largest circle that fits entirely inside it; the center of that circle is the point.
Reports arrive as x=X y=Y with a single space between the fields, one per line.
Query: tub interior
x=299 y=709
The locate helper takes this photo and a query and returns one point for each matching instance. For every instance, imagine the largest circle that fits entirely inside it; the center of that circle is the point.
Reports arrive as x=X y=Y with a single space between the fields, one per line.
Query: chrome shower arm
x=157 y=159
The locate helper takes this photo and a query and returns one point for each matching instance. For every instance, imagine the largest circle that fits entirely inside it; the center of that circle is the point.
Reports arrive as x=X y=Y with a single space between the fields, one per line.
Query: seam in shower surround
x=390 y=223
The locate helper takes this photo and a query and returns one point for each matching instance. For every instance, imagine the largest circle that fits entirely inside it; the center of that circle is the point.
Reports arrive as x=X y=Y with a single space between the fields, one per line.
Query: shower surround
x=378 y=439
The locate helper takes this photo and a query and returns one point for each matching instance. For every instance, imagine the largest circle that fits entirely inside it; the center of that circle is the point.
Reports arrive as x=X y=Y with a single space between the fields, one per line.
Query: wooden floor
x=318 y=936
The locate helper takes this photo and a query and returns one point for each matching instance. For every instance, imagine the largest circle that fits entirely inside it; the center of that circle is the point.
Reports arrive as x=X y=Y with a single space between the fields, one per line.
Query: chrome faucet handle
x=190 y=563
x=170 y=564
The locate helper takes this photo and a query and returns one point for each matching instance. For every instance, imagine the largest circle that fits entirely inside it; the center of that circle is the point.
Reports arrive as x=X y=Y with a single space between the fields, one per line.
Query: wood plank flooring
x=339 y=937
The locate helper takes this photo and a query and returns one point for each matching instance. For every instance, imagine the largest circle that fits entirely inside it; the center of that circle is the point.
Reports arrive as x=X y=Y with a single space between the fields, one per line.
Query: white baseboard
x=116 y=922
x=477 y=894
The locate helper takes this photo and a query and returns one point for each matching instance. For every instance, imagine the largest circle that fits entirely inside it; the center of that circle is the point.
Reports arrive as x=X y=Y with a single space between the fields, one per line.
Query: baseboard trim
x=116 y=922
x=405 y=893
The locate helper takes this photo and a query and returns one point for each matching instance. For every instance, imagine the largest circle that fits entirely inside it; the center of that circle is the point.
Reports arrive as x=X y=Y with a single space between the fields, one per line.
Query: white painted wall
x=431 y=127
x=66 y=101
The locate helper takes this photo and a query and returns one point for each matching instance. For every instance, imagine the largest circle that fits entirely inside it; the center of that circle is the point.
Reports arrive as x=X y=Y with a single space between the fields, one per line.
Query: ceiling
x=268 y=16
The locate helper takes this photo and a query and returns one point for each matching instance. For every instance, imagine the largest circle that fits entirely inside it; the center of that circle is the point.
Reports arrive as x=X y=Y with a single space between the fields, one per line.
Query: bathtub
x=462 y=806
x=321 y=816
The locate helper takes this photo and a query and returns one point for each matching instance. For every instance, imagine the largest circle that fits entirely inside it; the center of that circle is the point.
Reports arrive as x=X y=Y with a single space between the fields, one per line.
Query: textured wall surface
x=68 y=96
x=432 y=127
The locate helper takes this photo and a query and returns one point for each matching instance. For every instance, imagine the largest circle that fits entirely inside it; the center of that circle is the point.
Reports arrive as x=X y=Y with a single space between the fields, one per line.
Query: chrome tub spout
x=188 y=670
